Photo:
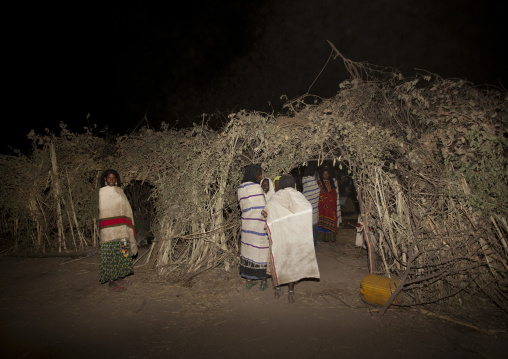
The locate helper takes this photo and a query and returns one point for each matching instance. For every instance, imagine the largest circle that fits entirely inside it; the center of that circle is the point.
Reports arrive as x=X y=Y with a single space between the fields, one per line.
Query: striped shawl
x=254 y=240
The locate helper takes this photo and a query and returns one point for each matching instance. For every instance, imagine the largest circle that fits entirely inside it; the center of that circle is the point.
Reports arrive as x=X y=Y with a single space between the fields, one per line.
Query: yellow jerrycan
x=377 y=289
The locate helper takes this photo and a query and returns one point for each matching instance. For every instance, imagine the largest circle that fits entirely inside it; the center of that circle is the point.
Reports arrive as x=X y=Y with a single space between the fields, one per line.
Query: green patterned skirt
x=327 y=236
x=115 y=261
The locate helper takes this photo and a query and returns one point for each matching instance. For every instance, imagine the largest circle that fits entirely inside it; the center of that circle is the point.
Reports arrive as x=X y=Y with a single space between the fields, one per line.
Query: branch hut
x=427 y=156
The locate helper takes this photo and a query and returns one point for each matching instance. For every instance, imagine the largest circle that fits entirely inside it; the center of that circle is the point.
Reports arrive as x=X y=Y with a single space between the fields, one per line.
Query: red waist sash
x=116 y=221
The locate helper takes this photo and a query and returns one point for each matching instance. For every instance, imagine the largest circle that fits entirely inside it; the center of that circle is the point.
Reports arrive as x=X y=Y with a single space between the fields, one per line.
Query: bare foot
x=291 y=296
x=278 y=292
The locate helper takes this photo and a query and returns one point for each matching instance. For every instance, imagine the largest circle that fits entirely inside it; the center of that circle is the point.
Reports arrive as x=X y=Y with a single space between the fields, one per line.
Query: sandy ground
x=56 y=308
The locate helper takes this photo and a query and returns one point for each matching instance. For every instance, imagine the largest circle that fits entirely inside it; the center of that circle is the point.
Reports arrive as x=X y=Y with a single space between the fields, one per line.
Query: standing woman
x=254 y=241
x=327 y=207
x=267 y=186
x=116 y=232
x=289 y=223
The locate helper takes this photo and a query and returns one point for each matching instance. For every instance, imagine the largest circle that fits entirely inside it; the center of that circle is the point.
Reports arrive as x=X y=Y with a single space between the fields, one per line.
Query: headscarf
x=251 y=173
x=276 y=179
x=310 y=170
x=271 y=189
x=286 y=181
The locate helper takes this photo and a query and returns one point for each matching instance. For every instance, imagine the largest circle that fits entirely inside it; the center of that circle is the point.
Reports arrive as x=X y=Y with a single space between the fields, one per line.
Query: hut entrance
x=347 y=189
x=139 y=195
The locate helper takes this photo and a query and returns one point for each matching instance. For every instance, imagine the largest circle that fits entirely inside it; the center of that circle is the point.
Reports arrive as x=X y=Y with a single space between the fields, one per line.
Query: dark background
x=137 y=65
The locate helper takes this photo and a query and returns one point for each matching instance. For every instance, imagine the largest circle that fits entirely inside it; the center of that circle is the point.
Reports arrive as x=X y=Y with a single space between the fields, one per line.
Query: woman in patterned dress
x=328 y=206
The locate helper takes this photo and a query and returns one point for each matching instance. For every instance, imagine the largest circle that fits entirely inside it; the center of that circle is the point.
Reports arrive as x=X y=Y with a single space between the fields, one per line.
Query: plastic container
x=377 y=289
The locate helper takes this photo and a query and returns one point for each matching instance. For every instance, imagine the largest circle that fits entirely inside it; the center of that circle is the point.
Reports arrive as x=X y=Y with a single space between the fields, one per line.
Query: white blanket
x=289 y=223
x=116 y=221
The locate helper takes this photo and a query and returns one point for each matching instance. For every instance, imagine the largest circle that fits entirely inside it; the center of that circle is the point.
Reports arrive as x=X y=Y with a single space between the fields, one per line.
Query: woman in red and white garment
x=117 y=236
x=329 y=206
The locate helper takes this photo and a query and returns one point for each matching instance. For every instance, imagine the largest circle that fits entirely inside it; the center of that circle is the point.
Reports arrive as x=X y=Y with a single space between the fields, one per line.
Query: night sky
x=176 y=63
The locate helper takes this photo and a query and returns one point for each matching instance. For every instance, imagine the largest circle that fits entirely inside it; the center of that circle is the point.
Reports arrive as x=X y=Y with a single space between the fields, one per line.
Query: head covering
x=286 y=181
x=251 y=173
x=276 y=179
x=310 y=170
x=102 y=183
x=323 y=169
x=271 y=190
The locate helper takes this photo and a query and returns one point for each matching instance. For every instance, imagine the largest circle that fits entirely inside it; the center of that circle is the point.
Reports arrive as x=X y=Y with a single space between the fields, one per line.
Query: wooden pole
x=57 y=194
x=81 y=239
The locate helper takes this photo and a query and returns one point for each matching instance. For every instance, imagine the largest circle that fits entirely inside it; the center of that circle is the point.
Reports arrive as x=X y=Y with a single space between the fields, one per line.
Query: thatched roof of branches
x=427 y=154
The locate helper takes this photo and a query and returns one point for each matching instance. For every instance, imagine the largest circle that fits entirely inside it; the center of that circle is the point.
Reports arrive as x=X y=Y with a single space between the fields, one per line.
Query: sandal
x=263 y=285
x=125 y=282
x=250 y=283
x=291 y=296
x=117 y=289
x=278 y=292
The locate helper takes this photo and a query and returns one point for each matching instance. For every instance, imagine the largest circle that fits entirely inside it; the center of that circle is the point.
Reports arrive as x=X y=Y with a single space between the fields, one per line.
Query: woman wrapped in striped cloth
x=254 y=247
x=116 y=232
x=311 y=192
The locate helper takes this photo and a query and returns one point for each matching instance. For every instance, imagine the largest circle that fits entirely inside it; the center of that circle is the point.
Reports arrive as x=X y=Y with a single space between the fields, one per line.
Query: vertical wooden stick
x=501 y=236
x=72 y=229
x=56 y=192
x=81 y=239
x=16 y=234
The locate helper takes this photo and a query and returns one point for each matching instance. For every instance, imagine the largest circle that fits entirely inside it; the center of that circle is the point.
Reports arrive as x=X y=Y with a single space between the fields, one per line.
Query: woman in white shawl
x=267 y=186
x=289 y=223
x=116 y=232
x=254 y=240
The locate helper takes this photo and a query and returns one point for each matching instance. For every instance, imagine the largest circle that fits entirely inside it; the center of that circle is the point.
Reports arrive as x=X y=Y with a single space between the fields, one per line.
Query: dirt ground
x=56 y=308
